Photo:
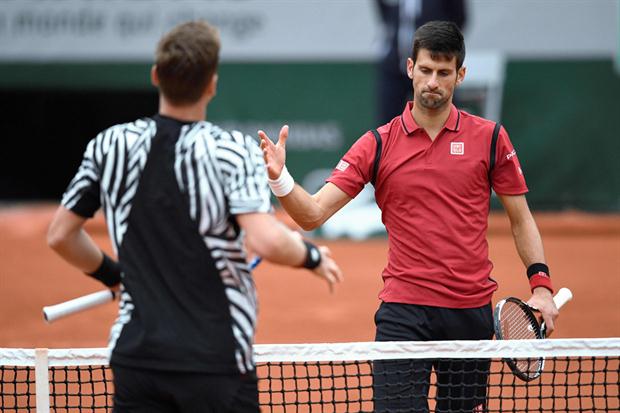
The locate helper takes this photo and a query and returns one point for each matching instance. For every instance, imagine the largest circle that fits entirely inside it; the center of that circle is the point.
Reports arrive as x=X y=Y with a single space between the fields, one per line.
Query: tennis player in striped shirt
x=179 y=194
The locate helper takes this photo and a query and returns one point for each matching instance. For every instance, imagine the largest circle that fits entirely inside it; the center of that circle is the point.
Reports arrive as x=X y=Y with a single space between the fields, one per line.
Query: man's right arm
x=311 y=211
x=308 y=211
x=274 y=242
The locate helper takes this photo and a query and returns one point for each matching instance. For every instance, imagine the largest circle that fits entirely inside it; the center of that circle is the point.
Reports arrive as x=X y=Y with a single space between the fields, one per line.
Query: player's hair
x=442 y=38
x=186 y=59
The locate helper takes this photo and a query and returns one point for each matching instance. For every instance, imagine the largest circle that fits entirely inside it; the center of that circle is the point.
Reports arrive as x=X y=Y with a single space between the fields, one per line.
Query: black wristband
x=536 y=268
x=313 y=256
x=109 y=272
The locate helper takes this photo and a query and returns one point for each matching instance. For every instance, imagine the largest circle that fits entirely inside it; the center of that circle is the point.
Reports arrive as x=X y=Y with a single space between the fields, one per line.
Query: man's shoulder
x=125 y=134
x=136 y=127
x=385 y=131
x=468 y=119
x=228 y=140
x=206 y=129
x=232 y=137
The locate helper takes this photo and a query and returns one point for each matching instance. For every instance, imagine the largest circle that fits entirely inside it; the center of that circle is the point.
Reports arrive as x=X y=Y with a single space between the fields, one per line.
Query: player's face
x=434 y=80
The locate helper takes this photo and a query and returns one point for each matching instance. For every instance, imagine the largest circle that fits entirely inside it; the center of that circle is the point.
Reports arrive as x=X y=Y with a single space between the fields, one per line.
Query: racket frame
x=539 y=331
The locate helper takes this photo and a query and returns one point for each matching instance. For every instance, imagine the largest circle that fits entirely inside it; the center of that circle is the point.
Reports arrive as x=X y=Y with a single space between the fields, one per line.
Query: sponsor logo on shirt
x=511 y=154
x=342 y=165
x=457 y=148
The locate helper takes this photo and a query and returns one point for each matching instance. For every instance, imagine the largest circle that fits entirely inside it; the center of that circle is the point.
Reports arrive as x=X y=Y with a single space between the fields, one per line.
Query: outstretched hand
x=328 y=269
x=274 y=154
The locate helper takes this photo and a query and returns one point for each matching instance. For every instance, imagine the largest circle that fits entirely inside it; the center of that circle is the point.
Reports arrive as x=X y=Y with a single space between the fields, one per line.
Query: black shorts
x=154 y=391
x=403 y=385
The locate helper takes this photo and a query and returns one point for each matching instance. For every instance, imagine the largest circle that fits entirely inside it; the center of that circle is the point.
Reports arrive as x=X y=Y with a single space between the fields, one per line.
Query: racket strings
x=517 y=324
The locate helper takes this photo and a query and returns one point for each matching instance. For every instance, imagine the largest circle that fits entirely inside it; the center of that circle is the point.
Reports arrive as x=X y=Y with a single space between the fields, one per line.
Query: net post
x=42 y=389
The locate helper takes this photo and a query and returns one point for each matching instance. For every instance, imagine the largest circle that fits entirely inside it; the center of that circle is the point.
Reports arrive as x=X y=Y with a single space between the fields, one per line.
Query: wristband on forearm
x=109 y=272
x=538 y=274
x=283 y=185
x=313 y=256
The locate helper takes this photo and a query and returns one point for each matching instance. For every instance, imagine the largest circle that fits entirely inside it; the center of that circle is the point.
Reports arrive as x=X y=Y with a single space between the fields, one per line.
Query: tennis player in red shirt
x=433 y=181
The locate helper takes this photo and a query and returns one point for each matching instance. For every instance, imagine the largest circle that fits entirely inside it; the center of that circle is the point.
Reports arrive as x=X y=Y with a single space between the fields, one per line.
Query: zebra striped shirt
x=169 y=191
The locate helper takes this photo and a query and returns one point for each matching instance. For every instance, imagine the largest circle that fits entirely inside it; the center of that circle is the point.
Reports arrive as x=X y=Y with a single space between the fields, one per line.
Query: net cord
x=437 y=349
x=264 y=353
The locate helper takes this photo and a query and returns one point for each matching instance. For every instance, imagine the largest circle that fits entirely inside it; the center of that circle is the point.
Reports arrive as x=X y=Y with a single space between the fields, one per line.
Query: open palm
x=274 y=154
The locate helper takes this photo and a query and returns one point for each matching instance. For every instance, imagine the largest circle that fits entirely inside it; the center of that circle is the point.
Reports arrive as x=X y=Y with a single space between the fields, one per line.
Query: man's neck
x=190 y=113
x=431 y=120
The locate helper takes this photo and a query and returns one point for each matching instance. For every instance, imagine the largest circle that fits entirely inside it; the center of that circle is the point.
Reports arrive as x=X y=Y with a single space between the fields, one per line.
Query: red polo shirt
x=434 y=198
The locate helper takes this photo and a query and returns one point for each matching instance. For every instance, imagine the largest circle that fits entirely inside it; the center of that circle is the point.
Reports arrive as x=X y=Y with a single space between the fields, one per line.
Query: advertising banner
x=128 y=30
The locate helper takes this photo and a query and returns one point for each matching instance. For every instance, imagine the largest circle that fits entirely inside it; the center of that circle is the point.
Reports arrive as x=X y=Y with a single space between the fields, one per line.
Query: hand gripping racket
x=515 y=320
x=52 y=313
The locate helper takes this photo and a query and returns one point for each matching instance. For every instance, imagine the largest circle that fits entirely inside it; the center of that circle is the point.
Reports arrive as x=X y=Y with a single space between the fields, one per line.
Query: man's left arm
x=530 y=248
x=68 y=239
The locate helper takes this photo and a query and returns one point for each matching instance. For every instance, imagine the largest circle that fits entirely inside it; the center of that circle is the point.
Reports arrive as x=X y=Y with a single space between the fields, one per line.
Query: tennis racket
x=515 y=320
x=52 y=313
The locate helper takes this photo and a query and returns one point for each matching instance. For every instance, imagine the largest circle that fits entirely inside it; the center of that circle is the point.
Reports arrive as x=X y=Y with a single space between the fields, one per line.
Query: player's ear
x=154 y=77
x=460 y=75
x=212 y=86
x=410 y=65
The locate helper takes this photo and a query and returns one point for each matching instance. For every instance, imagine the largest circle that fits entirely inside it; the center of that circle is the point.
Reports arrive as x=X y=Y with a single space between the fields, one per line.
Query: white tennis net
x=581 y=375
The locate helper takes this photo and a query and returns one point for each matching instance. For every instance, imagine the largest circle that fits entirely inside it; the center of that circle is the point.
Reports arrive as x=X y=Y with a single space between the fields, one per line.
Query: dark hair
x=442 y=38
x=186 y=59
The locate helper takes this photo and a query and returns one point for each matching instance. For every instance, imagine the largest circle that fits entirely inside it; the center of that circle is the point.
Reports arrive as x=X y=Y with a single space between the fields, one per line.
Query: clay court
x=583 y=251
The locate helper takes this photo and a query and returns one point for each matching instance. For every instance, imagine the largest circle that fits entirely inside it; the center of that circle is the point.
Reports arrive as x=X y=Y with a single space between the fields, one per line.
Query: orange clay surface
x=583 y=251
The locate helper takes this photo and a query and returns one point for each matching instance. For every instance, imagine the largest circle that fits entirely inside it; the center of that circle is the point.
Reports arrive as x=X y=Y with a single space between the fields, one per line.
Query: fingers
x=549 y=324
x=337 y=273
x=549 y=316
x=543 y=303
x=334 y=277
x=335 y=269
x=274 y=155
x=330 y=271
x=265 y=142
x=283 y=136
x=331 y=282
x=265 y=145
x=269 y=149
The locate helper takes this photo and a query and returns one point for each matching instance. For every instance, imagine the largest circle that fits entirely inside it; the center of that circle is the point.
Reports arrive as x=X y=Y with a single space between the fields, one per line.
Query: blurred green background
x=560 y=109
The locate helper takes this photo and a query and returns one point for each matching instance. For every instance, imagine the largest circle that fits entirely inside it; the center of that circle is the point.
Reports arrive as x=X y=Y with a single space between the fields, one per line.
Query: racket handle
x=562 y=297
x=54 y=312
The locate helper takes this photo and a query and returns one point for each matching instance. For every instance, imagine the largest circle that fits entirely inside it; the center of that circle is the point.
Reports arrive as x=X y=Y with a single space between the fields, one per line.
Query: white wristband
x=283 y=185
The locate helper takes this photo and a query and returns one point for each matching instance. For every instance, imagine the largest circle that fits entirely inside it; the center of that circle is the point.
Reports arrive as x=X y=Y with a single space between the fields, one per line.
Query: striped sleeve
x=83 y=194
x=245 y=174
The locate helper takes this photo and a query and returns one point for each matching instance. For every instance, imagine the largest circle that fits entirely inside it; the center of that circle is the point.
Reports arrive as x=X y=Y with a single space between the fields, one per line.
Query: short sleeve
x=507 y=175
x=354 y=170
x=246 y=188
x=83 y=194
